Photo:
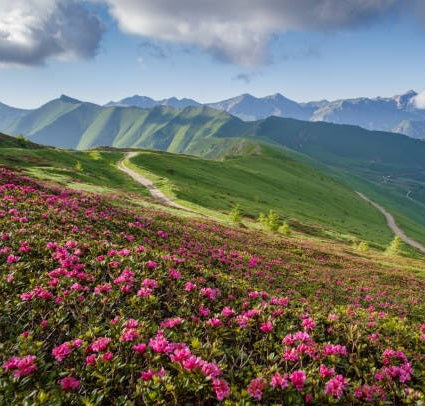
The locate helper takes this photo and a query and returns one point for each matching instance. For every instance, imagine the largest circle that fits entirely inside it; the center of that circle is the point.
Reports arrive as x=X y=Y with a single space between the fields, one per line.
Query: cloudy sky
x=101 y=50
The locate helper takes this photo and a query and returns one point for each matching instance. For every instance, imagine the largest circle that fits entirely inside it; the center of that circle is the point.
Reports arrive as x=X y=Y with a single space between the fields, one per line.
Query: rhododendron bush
x=103 y=302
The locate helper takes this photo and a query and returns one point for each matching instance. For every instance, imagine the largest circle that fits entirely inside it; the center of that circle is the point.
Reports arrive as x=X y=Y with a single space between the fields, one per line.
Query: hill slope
x=392 y=165
x=266 y=179
x=104 y=304
x=9 y=115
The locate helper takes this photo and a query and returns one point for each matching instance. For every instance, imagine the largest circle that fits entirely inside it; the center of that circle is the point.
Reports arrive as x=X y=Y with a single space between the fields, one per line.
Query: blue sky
x=118 y=53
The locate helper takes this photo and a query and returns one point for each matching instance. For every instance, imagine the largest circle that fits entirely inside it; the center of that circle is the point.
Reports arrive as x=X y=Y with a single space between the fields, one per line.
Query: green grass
x=311 y=201
x=98 y=171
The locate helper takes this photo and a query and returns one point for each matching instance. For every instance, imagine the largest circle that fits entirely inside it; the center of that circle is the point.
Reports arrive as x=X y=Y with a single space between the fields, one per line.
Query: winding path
x=392 y=224
x=153 y=190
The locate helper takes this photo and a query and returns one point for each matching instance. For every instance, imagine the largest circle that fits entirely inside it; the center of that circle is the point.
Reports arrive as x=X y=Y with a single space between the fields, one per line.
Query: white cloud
x=32 y=31
x=419 y=100
x=240 y=30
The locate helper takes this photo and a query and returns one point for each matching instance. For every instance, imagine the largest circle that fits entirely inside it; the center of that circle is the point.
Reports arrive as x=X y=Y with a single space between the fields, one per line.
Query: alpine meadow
x=224 y=212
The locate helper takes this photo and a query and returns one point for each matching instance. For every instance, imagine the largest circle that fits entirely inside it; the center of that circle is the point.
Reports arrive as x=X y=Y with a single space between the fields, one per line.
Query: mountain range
x=396 y=114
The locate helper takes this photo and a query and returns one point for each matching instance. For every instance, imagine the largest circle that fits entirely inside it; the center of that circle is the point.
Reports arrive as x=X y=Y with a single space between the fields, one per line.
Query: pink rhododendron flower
x=21 y=366
x=170 y=323
x=91 y=359
x=335 y=350
x=100 y=344
x=266 y=327
x=108 y=356
x=61 y=351
x=11 y=259
x=180 y=354
x=193 y=362
x=210 y=293
x=298 y=378
x=115 y=320
x=160 y=344
x=147 y=375
x=144 y=292
x=221 y=388
x=291 y=355
x=326 y=372
x=69 y=383
x=129 y=335
x=227 y=311
x=174 y=273
x=106 y=287
x=77 y=342
x=204 y=311
x=189 y=286
x=211 y=369
x=308 y=324
x=335 y=386
x=150 y=283
x=256 y=387
x=214 y=322
x=140 y=348
x=131 y=323
x=279 y=380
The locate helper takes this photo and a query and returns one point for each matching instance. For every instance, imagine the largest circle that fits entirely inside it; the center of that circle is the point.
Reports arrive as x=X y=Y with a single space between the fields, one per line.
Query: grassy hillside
x=388 y=167
x=392 y=165
x=265 y=179
x=6 y=141
x=106 y=304
x=82 y=170
x=59 y=123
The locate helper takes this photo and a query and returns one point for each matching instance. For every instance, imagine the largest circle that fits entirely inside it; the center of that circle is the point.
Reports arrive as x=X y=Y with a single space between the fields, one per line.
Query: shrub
x=363 y=246
x=23 y=141
x=235 y=214
x=271 y=221
x=285 y=229
x=78 y=166
x=394 y=248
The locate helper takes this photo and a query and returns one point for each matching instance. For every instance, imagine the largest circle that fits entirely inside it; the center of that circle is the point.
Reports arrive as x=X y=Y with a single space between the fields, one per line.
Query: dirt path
x=392 y=224
x=153 y=190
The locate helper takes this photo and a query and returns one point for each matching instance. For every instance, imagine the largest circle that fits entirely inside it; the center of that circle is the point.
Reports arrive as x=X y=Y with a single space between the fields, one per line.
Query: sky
x=209 y=50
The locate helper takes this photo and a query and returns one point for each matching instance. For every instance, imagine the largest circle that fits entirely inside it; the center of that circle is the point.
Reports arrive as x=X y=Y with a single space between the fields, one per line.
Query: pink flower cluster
x=22 y=366
x=335 y=386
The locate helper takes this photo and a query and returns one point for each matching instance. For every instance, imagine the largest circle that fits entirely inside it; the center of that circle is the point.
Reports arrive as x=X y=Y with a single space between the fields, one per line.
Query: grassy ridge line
x=259 y=183
x=83 y=170
x=170 y=190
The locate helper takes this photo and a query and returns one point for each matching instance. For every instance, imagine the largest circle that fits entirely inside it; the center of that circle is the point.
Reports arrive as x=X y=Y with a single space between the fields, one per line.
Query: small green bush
x=285 y=229
x=363 y=246
x=271 y=221
x=78 y=166
x=235 y=214
x=394 y=248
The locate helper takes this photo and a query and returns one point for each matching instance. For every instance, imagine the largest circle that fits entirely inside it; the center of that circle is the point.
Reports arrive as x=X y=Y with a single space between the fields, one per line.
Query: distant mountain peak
x=410 y=93
x=66 y=99
x=276 y=96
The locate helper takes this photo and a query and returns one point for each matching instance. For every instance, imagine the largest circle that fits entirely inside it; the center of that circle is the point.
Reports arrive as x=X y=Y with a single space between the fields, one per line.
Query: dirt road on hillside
x=392 y=224
x=153 y=190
